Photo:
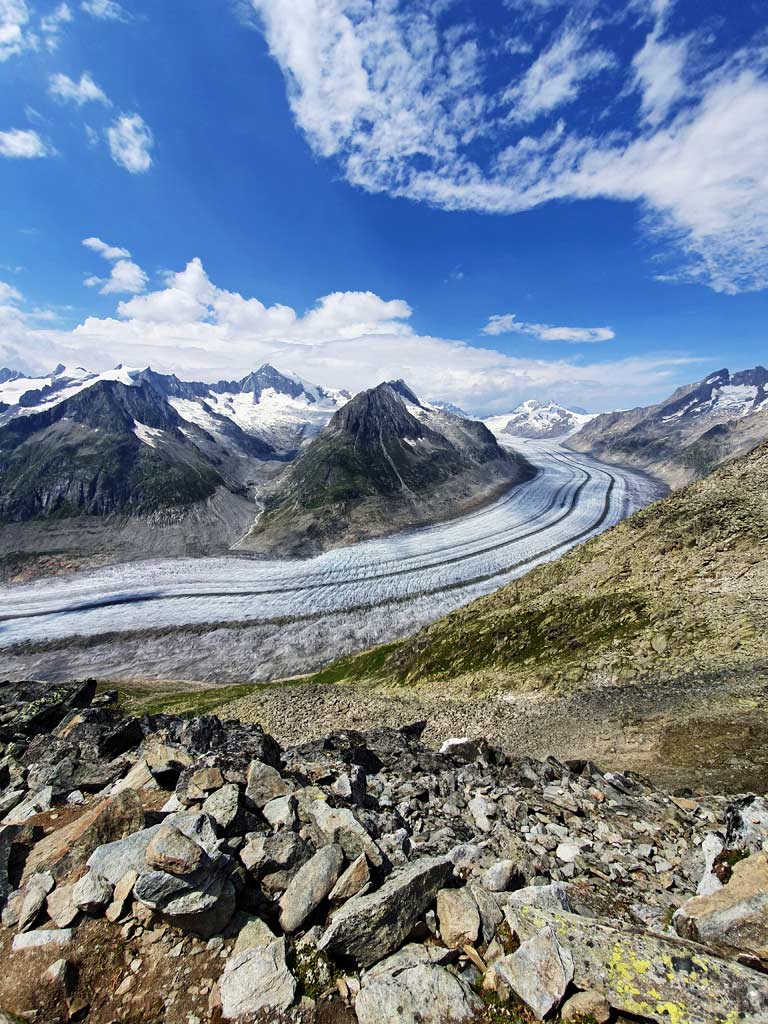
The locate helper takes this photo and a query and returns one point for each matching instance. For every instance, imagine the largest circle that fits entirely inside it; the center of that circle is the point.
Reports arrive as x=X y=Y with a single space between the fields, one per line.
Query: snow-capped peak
x=533 y=418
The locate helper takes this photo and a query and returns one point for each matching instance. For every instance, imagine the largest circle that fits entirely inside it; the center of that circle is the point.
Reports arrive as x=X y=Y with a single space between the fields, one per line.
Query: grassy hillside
x=679 y=588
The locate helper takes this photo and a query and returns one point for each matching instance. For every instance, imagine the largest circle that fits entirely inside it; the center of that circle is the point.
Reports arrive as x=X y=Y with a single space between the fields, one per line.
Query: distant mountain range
x=532 y=419
x=385 y=461
x=684 y=437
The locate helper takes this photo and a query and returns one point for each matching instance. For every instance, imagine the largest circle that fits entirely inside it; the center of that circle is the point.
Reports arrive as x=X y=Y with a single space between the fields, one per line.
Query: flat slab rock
x=423 y=994
x=645 y=974
x=369 y=927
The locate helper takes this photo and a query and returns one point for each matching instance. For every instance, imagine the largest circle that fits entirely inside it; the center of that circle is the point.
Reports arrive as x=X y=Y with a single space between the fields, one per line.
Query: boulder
x=351 y=881
x=422 y=994
x=35 y=895
x=202 y=903
x=172 y=851
x=256 y=983
x=254 y=934
x=43 y=938
x=643 y=973
x=502 y=876
x=339 y=825
x=545 y=897
x=223 y=806
x=458 y=917
x=65 y=851
x=747 y=824
x=92 y=894
x=369 y=927
x=590 y=1007
x=734 y=919
x=60 y=906
x=538 y=972
x=310 y=886
x=264 y=783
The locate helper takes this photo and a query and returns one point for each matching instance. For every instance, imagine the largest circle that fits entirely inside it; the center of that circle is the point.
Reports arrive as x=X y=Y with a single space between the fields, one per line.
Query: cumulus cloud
x=348 y=339
x=507 y=323
x=130 y=143
x=22 y=144
x=85 y=91
x=389 y=93
x=125 y=275
x=15 y=35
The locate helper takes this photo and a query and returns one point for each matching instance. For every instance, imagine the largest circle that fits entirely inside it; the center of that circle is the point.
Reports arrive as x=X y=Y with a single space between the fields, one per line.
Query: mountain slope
x=110 y=448
x=385 y=461
x=680 y=589
x=684 y=437
x=534 y=419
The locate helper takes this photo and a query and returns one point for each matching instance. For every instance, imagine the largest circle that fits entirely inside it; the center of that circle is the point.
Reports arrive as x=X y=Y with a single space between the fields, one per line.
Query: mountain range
x=385 y=461
x=684 y=437
x=532 y=419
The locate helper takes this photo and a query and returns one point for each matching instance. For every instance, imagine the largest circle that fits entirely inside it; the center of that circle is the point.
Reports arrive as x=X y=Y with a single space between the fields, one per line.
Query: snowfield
x=390 y=587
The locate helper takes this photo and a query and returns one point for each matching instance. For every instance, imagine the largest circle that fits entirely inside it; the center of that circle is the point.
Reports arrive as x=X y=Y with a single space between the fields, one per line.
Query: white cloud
x=50 y=25
x=507 y=323
x=105 y=10
x=659 y=75
x=347 y=339
x=15 y=36
x=85 y=91
x=23 y=144
x=130 y=143
x=125 y=275
x=556 y=76
x=9 y=294
x=109 y=252
x=382 y=90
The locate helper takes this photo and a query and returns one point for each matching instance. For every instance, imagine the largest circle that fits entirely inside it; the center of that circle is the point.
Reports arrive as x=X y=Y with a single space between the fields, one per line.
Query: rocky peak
x=7 y=375
x=379 y=413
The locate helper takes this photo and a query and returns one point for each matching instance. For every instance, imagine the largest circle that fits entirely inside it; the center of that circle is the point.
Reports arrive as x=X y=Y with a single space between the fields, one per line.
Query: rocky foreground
x=165 y=869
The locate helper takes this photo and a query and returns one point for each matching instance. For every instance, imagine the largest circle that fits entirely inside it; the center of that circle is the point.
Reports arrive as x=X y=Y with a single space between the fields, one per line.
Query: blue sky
x=496 y=201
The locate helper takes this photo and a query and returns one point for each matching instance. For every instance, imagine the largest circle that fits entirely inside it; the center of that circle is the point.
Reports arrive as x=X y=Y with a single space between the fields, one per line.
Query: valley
x=239 y=619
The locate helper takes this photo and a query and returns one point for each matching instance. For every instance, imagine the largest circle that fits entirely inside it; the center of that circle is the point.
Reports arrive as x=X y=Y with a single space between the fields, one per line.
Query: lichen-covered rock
x=643 y=973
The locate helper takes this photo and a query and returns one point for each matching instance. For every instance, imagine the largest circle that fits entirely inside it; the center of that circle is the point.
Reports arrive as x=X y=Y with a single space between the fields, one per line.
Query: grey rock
x=351 y=881
x=502 y=876
x=546 y=897
x=257 y=982
x=114 y=860
x=35 y=894
x=310 y=886
x=254 y=934
x=263 y=784
x=483 y=811
x=369 y=927
x=458 y=917
x=35 y=803
x=491 y=915
x=647 y=973
x=281 y=812
x=60 y=906
x=92 y=894
x=171 y=851
x=539 y=971
x=339 y=825
x=586 y=1006
x=223 y=806
x=422 y=994
x=43 y=938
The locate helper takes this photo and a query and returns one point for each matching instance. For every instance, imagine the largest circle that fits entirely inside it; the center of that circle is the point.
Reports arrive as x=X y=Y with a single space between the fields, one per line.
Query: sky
x=495 y=201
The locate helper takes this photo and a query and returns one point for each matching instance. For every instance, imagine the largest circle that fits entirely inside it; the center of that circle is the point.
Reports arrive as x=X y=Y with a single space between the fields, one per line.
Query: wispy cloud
x=507 y=323
x=85 y=91
x=15 y=34
x=382 y=90
x=130 y=143
x=22 y=144
x=105 y=10
x=51 y=24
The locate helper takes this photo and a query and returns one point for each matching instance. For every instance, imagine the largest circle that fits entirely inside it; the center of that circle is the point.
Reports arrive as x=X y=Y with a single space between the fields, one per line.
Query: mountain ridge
x=689 y=433
x=369 y=472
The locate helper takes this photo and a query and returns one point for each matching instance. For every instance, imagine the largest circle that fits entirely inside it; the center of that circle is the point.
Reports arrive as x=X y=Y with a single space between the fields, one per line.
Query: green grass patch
x=135 y=700
x=353 y=668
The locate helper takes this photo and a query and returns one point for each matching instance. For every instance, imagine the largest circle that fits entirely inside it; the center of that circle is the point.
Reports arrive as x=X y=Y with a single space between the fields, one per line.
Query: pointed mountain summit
x=532 y=419
x=384 y=462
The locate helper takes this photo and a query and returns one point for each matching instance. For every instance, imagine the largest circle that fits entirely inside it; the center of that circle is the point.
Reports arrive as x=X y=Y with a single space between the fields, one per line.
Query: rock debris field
x=191 y=870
